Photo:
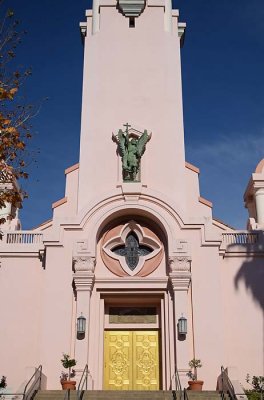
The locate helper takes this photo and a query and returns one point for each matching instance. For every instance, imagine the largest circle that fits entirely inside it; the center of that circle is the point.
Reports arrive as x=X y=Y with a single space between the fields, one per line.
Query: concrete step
x=203 y=394
x=128 y=395
x=54 y=395
x=125 y=395
x=105 y=395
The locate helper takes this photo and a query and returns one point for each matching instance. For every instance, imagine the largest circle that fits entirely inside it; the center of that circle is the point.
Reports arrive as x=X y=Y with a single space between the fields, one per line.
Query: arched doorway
x=131 y=286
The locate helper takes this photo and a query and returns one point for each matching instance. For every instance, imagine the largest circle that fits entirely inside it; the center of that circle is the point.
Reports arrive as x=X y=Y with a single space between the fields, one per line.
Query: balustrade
x=240 y=237
x=22 y=237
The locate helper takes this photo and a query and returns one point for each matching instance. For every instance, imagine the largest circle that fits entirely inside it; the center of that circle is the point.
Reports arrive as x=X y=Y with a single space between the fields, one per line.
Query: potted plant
x=194 y=384
x=65 y=377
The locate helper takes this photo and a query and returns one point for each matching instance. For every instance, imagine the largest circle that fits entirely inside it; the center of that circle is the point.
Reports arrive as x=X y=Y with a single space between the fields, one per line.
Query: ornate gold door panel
x=145 y=360
x=117 y=359
x=131 y=360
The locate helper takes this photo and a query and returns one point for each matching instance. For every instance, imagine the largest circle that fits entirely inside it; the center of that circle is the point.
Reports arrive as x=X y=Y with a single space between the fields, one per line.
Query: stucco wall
x=21 y=296
x=243 y=304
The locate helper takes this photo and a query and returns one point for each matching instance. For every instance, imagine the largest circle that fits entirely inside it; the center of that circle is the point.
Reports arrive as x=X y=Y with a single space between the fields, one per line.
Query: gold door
x=131 y=360
x=118 y=359
x=145 y=360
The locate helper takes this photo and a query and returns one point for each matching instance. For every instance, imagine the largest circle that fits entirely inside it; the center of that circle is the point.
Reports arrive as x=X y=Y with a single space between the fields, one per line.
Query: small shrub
x=257 y=384
x=194 y=364
x=252 y=395
x=2 y=385
x=3 y=382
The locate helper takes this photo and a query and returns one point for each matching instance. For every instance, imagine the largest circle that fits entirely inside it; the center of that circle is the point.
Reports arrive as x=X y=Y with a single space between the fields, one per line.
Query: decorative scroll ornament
x=131 y=147
x=83 y=276
x=146 y=363
x=84 y=264
x=119 y=363
x=179 y=264
x=180 y=272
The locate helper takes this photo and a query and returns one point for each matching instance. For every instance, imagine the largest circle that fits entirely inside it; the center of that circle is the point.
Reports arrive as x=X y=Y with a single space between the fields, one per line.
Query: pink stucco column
x=180 y=276
x=259 y=195
x=83 y=281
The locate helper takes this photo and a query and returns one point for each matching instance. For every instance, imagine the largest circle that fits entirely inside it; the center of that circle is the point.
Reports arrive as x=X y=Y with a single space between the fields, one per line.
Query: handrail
x=185 y=395
x=24 y=394
x=39 y=379
x=83 y=381
x=227 y=386
x=178 y=387
x=67 y=395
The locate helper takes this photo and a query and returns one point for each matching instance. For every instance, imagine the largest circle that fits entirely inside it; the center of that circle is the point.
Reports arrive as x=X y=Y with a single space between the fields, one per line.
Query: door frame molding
x=160 y=298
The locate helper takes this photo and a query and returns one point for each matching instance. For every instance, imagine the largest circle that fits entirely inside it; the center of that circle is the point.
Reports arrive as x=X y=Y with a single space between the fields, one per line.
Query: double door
x=131 y=360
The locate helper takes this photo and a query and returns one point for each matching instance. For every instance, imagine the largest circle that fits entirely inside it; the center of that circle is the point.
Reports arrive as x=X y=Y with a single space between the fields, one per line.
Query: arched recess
x=132 y=245
x=165 y=217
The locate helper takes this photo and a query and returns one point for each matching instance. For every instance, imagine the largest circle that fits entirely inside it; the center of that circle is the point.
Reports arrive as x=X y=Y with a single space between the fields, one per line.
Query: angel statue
x=131 y=148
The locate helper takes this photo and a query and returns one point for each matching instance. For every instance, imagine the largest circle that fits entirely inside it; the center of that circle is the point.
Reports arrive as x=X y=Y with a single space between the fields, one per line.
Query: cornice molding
x=83 y=282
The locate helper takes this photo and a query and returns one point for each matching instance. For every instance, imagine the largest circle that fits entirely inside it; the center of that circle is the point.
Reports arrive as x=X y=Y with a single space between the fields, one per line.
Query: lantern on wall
x=182 y=326
x=81 y=325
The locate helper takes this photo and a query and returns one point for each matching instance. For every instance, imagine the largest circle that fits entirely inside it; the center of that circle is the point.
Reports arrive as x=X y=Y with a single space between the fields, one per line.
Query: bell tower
x=132 y=74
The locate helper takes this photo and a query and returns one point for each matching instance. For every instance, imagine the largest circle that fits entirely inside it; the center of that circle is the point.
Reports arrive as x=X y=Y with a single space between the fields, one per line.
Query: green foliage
x=67 y=363
x=257 y=382
x=252 y=395
x=194 y=364
x=2 y=385
x=257 y=391
x=3 y=382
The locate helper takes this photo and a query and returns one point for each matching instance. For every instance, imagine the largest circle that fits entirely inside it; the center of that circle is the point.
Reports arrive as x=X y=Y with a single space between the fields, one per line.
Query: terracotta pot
x=68 y=385
x=195 y=385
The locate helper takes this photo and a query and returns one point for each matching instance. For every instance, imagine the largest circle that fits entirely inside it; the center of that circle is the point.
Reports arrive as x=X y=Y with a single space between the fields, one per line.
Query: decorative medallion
x=146 y=362
x=131 y=250
x=119 y=363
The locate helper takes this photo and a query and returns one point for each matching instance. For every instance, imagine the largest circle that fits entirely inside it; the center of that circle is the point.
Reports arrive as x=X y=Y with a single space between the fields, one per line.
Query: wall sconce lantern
x=81 y=325
x=182 y=326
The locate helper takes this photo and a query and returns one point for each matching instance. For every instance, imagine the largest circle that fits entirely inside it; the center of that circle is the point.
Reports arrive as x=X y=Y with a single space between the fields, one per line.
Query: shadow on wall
x=251 y=274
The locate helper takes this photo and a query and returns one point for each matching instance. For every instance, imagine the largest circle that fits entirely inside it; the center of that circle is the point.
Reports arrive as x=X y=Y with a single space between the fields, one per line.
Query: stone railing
x=22 y=238
x=242 y=242
x=240 y=237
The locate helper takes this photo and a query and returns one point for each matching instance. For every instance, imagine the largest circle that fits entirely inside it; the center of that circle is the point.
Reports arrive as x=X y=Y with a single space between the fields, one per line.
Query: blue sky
x=223 y=82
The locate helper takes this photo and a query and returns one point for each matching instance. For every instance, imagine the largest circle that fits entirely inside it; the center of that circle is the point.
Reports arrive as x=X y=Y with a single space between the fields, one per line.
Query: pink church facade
x=132 y=256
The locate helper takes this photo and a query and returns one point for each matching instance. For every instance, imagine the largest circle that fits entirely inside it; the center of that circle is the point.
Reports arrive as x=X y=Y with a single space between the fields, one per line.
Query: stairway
x=124 y=395
x=205 y=395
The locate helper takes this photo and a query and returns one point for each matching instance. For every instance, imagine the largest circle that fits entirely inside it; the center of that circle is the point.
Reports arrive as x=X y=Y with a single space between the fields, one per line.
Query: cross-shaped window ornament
x=132 y=250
